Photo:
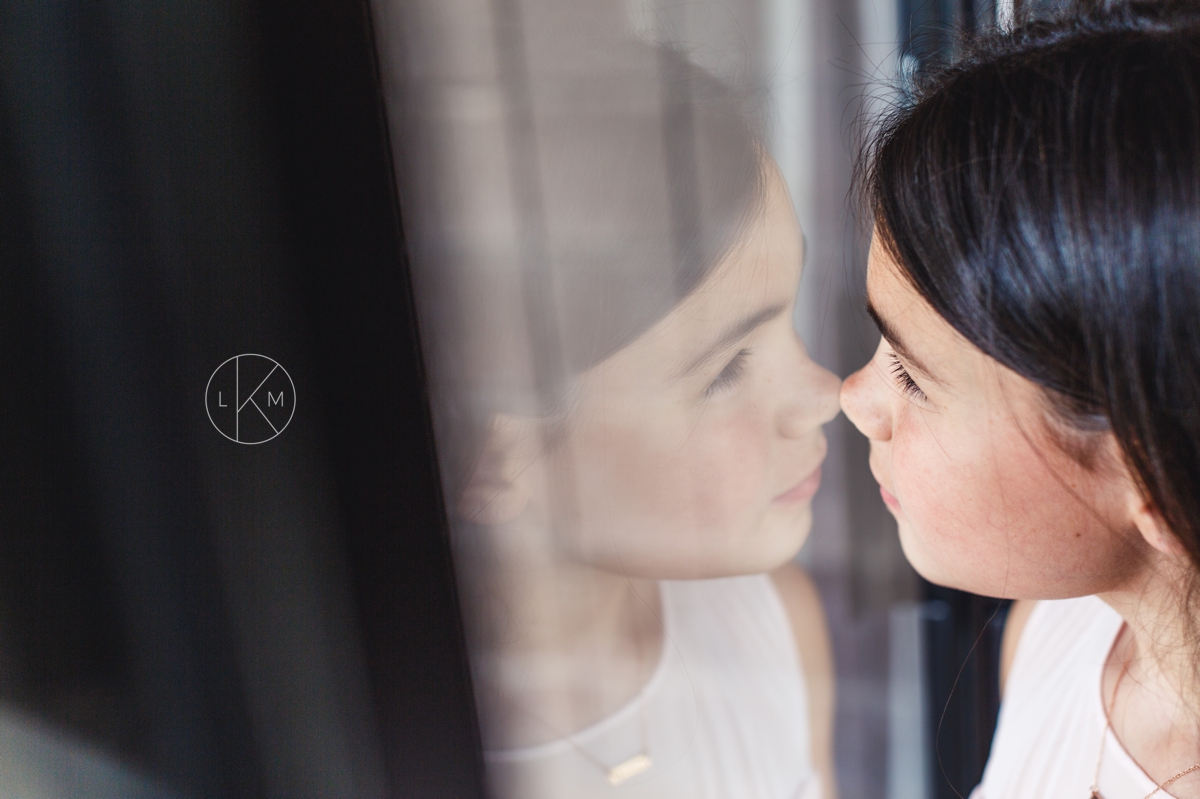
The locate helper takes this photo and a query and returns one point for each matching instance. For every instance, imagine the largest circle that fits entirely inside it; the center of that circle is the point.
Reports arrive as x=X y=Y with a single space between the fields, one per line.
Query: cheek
x=989 y=514
x=676 y=486
x=729 y=472
x=945 y=496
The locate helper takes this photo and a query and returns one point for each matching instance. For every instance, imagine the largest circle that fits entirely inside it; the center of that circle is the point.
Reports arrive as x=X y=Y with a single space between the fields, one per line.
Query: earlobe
x=1155 y=531
x=497 y=491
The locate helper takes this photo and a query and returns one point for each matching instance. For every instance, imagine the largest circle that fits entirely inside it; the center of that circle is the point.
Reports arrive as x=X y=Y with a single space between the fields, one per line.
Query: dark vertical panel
x=180 y=183
x=350 y=267
x=58 y=602
x=134 y=489
x=962 y=634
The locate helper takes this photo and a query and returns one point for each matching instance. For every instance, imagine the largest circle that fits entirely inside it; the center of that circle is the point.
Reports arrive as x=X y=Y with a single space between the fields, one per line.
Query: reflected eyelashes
x=730 y=375
x=903 y=379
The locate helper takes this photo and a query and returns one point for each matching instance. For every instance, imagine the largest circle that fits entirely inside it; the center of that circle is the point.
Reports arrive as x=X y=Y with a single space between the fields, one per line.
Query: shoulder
x=1040 y=635
x=806 y=616
x=1051 y=720
x=801 y=600
x=796 y=589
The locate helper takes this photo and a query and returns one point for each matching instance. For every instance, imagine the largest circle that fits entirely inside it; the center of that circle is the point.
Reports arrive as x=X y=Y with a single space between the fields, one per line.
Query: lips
x=889 y=498
x=802 y=491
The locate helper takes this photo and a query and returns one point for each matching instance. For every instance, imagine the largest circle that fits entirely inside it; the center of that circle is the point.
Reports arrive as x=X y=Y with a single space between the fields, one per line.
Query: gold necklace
x=625 y=770
x=630 y=767
x=1104 y=737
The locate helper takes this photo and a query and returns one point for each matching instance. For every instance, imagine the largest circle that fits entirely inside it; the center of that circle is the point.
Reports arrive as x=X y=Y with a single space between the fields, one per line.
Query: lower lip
x=888 y=499
x=805 y=490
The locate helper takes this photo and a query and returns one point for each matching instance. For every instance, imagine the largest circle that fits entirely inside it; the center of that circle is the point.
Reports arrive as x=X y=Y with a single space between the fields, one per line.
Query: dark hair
x=1043 y=195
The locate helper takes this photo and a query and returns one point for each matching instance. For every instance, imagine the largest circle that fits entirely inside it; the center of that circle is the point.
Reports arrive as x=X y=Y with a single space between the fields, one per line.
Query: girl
x=1032 y=405
x=643 y=441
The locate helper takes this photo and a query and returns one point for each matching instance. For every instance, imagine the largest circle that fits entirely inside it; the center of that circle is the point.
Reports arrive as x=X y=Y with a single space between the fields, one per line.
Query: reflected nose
x=865 y=402
x=817 y=392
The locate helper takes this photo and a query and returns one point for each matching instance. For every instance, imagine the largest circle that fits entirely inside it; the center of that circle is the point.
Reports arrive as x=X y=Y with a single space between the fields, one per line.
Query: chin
x=781 y=540
x=919 y=558
x=961 y=578
x=774 y=541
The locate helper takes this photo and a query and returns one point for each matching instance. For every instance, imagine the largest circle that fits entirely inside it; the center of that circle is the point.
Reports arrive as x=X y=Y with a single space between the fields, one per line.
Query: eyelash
x=730 y=375
x=904 y=379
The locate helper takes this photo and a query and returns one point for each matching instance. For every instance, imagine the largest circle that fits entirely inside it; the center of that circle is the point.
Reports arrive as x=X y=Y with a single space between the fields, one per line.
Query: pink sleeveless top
x=1052 y=722
x=725 y=715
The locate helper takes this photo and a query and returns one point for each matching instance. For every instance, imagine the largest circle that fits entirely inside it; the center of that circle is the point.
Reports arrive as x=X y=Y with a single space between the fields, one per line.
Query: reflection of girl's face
x=695 y=450
x=985 y=501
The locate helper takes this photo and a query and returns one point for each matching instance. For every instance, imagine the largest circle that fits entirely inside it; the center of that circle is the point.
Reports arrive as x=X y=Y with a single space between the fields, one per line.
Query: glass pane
x=637 y=276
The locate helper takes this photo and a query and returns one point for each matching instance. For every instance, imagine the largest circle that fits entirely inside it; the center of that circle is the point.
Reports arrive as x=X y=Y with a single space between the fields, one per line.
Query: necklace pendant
x=629 y=769
x=1096 y=794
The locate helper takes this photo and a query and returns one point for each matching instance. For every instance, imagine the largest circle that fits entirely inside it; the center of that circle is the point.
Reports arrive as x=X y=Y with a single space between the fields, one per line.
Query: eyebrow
x=734 y=332
x=889 y=332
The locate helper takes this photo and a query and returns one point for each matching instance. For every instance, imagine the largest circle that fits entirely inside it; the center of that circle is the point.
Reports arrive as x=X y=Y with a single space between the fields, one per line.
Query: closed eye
x=730 y=375
x=903 y=379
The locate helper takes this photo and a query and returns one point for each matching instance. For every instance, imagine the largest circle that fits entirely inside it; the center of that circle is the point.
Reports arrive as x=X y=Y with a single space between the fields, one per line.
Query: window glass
x=555 y=496
x=638 y=277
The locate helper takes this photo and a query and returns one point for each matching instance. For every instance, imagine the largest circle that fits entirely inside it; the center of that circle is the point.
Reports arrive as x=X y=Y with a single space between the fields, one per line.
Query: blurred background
x=184 y=182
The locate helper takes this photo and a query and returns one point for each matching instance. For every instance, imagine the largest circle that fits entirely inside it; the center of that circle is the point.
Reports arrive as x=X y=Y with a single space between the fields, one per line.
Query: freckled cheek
x=990 y=514
x=732 y=481
x=947 y=493
x=708 y=476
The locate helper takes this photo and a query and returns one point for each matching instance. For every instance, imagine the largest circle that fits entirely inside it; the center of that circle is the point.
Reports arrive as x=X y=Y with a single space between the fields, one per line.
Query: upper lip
x=815 y=471
x=816 y=468
x=878 y=479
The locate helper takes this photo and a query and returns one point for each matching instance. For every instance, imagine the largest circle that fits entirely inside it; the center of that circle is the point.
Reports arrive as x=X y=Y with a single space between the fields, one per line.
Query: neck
x=557 y=644
x=1150 y=682
x=1159 y=642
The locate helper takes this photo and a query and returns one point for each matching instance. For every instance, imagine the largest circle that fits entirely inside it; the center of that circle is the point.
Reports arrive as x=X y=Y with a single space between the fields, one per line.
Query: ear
x=1152 y=527
x=498 y=490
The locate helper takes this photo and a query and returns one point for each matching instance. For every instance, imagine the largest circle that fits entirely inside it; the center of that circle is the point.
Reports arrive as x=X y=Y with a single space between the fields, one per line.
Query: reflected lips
x=804 y=490
x=888 y=499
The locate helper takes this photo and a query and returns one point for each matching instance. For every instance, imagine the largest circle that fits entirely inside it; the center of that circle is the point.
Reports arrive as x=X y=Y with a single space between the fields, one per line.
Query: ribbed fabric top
x=725 y=714
x=1052 y=720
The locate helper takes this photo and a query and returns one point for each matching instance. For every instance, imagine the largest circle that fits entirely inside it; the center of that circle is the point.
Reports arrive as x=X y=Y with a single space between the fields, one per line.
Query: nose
x=815 y=402
x=865 y=401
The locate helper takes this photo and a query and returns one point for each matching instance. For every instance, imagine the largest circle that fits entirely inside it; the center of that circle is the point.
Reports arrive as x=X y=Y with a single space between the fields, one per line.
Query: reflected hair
x=649 y=173
x=1042 y=193
x=635 y=174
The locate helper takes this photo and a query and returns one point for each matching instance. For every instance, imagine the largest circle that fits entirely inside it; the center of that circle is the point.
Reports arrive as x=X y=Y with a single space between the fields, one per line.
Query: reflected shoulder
x=806 y=613
x=807 y=616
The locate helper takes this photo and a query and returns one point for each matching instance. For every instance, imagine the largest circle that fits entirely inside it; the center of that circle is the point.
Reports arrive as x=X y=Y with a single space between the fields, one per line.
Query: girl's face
x=986 y=501
x=696 y=450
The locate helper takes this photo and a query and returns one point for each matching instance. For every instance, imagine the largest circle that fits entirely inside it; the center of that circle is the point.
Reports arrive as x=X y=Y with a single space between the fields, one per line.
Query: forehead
x=930 y=337
x=762 y=268
x=967 y=377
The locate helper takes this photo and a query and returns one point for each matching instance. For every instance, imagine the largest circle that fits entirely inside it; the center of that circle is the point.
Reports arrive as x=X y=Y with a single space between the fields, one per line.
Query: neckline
x=1110 y=744
x=621 y=715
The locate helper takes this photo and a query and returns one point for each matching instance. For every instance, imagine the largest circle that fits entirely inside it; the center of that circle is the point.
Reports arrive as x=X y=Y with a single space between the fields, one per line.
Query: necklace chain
x=630 y=767
x=625 y=770
x=1104 y=737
